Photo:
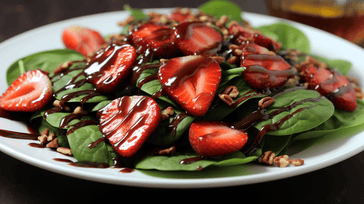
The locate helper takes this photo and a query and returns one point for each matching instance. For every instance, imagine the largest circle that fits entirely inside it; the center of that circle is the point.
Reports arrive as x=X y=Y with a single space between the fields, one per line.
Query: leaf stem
x=234 y=71
x=21 y=66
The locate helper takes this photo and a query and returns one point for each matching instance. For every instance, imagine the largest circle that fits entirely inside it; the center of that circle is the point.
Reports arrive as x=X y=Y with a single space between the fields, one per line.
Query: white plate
x=323 y=153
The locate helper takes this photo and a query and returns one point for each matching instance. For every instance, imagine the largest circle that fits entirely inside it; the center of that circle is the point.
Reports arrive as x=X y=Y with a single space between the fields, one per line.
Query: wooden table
x=23 y=183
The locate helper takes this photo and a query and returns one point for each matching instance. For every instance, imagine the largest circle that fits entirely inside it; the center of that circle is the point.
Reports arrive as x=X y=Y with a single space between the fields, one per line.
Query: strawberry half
x=331 y=84
x=194 y=38
x=158 y=37
x=110 y=66
x=213 y=139
x=82 y=39
x=30 y=92
x=266 y=70
x=191 y=81
x=128 y=121
x=242 y=35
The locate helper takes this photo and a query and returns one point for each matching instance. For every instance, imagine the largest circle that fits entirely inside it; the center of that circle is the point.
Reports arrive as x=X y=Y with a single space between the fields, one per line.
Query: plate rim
x=165 y=182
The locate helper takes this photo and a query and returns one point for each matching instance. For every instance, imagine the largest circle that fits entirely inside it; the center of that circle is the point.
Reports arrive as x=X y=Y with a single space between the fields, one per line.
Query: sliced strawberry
x=191 y=81
x=266 y=70
x=241 y=35
x=181 y=15
x=331 y=84
x=158 y=37
x=31 y=91
x=213 y=139
x=197 y=38
x=110 y=66
x=82 y=39
x=127 y=122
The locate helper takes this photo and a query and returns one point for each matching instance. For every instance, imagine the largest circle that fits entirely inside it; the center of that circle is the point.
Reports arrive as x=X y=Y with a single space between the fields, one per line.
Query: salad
x=182 y=91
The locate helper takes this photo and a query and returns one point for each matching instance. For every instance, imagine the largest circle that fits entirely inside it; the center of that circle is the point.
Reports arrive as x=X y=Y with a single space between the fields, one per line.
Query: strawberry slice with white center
x=197 y=38
x=155 y=36
x=82 y=39
x=191 y=81
x=128 y=121
x=214 y=139
x=110 y=66
x=30 y=92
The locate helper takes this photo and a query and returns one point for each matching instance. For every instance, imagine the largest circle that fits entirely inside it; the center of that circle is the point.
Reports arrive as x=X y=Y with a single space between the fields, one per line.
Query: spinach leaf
x=172 y=163
x=218 y=8
x=154 y=86
x=313 y=114
x=340 y=122
x=61 y=81
x=46 y=61
x=138 y=15
x=342 y=66
x=220 y=110
x=288 y=35
x=81 y=138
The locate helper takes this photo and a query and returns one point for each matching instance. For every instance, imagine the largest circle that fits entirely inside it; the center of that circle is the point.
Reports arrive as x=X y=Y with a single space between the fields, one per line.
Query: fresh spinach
x=313 y=114
x=80 y=140
x=218 y=8
x=46 y=61
x=288 y=35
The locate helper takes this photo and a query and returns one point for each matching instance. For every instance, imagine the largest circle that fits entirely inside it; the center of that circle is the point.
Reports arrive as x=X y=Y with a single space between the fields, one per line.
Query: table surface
x=23 y=183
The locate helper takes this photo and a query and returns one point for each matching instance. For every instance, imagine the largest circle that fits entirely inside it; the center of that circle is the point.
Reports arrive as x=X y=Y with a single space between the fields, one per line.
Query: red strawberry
x=155 y=36
x=181 y=15
x=213 y=139
x=191 y=81
x=243 y=35
x=82 y=39
x=127 y=122
x=266 y=70
x=197 y=38
x=110 y=66
x=31 y=91
x=331 y=84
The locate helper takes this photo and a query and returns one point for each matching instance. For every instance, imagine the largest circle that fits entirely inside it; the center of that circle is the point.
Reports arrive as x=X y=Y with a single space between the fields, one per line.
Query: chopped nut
x=233 y=60
x=296 y=162
x=232 y=91
x=43 y=139
x=226 y=99
x=53 y=144
x=57 y=103
x=281 y=161
x=168 y=151
x=62 y=67
x=126 y=21
x=51 y=137
x=267 y=157
x=218 y=59
x=79 y=110
x=167 y=112
x=64 y=150
x=222 y=21
x=265 y=102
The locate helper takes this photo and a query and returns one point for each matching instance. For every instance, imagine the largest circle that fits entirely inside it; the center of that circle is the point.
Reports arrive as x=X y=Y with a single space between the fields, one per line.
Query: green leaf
x=340 y=122
x=172 y=163
x=313 y=114
x=288 y=35
x=342 y=66
x=220 y=110
x=218 y=8
x=138 y=15
x=59 y=82
x=46 y=61
x=81 y=138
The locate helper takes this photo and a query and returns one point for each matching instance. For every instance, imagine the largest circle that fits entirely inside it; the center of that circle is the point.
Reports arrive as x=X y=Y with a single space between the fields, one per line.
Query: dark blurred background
x=17 y=16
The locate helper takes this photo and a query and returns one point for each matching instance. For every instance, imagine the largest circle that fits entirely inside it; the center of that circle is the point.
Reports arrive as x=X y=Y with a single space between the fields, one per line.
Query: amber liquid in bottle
x=343 y=20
